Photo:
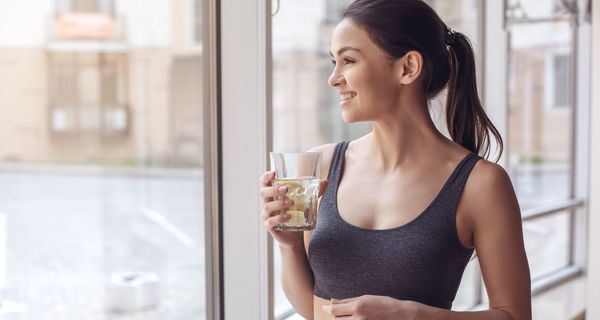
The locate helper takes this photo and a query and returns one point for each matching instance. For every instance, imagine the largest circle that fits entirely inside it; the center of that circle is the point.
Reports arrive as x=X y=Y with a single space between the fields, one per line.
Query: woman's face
x=363 y=75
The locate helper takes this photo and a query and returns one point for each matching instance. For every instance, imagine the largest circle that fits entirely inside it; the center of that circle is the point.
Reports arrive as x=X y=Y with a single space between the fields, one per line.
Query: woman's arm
x=492 y=212
x=297 y=279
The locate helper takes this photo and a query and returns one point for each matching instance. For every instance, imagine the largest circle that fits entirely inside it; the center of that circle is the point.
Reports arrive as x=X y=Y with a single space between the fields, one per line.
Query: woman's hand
x=370 y=307
x=271 y=207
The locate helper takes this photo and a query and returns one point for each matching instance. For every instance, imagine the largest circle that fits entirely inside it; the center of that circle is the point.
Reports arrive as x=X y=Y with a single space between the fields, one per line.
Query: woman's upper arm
x=495 y=220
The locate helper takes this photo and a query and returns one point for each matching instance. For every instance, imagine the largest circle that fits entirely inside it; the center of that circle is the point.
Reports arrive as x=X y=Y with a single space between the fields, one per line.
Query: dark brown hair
x=399 y=26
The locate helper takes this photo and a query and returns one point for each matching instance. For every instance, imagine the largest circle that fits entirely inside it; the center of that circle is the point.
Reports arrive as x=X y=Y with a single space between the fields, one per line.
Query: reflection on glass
x=101 y=214
x=304 y=102
x=540 y=111
x=547 y=243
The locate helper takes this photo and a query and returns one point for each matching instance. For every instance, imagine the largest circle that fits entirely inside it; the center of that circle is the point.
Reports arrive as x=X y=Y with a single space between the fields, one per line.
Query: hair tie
x=450 y=36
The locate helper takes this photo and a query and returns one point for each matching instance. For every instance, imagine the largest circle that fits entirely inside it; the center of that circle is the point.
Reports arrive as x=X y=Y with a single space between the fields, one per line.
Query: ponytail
x=467 y=122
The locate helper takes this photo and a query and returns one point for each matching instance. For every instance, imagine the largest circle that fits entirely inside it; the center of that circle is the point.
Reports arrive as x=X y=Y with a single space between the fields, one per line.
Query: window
x=101 y=145
x=88 y=93
x=559 y=81
x=542 y=127
x=197 y=18
x=540 y=142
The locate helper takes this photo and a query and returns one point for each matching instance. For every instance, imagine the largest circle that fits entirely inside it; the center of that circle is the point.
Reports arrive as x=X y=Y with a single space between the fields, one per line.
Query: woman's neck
x=398 y=142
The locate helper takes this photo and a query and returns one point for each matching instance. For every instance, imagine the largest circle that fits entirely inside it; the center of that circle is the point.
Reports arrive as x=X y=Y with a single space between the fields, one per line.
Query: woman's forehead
x=349 y=35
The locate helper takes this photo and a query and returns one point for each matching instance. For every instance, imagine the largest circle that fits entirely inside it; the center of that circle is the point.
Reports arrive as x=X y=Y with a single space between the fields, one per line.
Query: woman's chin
x=347 y=118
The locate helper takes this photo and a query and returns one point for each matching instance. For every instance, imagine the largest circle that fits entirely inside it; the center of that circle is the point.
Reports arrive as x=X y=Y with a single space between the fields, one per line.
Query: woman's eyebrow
x=344 y=49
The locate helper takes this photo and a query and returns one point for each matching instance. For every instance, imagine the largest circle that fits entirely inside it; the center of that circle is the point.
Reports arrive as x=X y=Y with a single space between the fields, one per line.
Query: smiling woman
x=404 y=206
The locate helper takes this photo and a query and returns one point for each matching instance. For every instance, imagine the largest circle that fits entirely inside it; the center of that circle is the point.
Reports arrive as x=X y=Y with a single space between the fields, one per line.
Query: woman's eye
x=346 y=61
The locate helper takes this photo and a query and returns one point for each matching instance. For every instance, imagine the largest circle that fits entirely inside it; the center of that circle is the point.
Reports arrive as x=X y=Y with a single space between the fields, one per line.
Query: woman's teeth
x=347 y=96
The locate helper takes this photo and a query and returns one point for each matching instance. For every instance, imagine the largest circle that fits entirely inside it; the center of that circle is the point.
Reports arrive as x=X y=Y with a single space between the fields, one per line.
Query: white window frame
x=244 y=138
x=496 y=103
x=593 y=295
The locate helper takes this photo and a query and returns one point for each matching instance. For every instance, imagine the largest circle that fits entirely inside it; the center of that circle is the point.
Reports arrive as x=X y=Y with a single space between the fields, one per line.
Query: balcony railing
x=76 y=26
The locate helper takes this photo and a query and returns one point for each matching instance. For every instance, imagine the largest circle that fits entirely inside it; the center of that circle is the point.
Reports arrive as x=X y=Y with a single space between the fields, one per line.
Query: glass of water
x=300 y=172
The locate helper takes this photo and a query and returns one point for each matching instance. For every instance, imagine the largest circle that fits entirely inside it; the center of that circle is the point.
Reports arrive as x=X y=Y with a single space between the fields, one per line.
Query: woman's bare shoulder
x=326 y=155
x=489 y=194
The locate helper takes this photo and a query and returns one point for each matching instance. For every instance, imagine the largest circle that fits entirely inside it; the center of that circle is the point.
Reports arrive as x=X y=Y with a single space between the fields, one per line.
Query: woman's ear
x=409 y=67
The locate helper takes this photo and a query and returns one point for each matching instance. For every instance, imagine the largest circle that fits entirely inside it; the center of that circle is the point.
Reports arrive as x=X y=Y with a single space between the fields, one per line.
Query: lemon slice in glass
x=296 y=218
x=294 y=186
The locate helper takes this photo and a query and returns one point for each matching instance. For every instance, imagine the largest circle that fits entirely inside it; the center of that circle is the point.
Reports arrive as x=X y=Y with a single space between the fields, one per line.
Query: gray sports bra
x=421 y=261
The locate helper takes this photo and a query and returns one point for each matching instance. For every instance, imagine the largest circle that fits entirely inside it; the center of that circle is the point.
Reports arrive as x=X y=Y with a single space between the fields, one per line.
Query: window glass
x=101 y=210
x=547 y=242
x=540 y=111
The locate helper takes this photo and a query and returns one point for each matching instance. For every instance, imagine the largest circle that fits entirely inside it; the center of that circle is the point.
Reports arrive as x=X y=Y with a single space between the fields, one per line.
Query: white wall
x=24 y=22
x=594 y=202
x=148 y=22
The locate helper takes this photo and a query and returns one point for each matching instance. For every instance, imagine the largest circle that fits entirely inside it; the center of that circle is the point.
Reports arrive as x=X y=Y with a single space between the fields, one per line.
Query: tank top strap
x=336 y=161
x=458 y=180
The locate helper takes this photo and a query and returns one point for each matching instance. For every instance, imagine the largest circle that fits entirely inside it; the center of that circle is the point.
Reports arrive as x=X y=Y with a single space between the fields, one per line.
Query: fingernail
x=282 y=190
x=288 y=202
x=286 y=216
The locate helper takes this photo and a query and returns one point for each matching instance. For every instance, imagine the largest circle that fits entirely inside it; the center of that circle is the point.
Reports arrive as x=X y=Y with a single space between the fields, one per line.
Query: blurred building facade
x=106 y=81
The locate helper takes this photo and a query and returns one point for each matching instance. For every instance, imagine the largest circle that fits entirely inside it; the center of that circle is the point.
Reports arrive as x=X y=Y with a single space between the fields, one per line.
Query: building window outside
x=197 y=21
x=88 y=93
x=559 y=81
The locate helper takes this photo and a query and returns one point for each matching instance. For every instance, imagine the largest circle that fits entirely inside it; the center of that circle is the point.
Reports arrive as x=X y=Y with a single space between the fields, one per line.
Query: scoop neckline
x=342 y=159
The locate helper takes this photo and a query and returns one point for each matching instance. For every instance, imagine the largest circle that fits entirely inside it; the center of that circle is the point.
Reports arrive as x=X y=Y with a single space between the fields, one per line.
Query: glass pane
x=302 y=99
x=536 y=9
x=540 y=110
x=101 y=213
x=547 y=243
x=466 y=297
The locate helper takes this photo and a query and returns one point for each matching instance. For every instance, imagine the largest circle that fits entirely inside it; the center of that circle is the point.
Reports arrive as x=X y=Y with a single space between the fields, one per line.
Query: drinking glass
x=300 y=172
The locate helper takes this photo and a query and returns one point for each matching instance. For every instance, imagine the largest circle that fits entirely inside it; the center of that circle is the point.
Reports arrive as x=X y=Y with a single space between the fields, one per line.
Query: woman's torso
x=391 y=201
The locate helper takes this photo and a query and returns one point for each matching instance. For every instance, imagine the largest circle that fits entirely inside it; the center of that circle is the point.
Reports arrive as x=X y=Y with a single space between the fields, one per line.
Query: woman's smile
x=346 y=97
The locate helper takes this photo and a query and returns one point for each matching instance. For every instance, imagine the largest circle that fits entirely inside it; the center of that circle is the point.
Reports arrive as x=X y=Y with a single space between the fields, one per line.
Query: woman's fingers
x=267 y=178
x=278 y=219
x=323 y=186
x=271 y=208
x=267 y=193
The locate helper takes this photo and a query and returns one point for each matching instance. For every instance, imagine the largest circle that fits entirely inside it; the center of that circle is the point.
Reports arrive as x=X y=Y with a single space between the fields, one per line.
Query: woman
x=403 y=207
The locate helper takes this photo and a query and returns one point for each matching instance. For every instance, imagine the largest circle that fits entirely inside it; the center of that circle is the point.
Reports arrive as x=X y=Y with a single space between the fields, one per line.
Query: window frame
x=498 y=50
x=241 y=138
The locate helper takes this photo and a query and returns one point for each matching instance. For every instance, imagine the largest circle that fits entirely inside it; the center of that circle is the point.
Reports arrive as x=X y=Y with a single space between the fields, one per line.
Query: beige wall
x=23 y=130
x=548 y=136
x=594 y=203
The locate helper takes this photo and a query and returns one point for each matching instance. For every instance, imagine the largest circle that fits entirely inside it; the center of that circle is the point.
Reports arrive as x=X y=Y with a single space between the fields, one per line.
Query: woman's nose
x=335 y=79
